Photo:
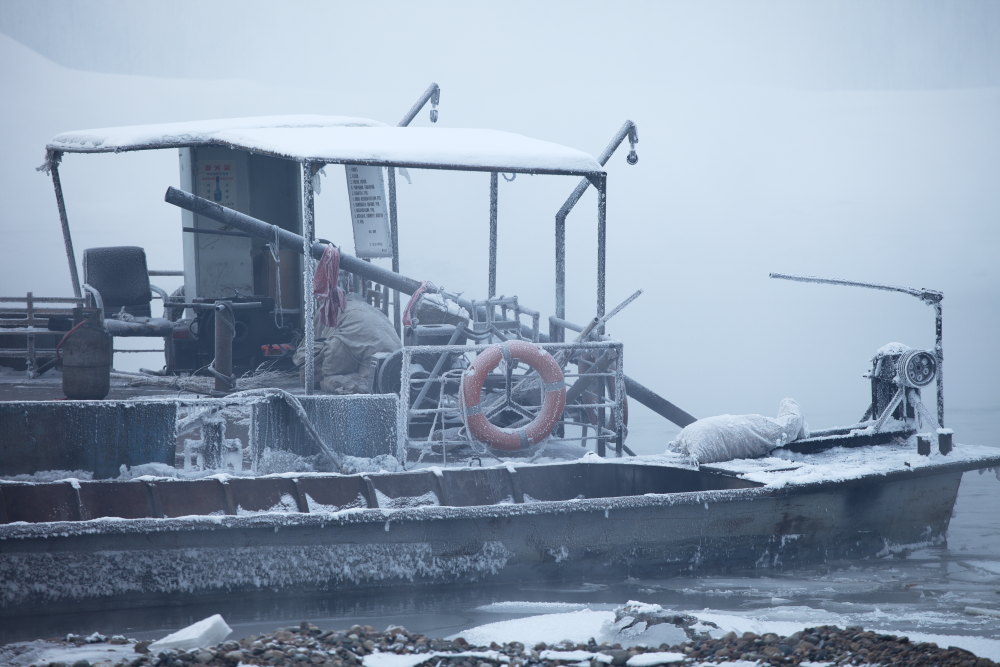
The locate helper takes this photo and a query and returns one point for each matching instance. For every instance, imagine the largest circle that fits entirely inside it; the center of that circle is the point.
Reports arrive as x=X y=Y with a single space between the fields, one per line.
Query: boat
x=432 y=474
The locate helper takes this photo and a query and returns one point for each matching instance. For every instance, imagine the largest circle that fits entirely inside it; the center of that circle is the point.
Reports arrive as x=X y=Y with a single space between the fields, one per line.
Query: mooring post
x=225 y=331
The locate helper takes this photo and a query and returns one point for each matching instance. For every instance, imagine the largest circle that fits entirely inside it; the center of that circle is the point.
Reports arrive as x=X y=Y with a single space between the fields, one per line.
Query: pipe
x=432 y=94
x=286 y=239
x=74 y=276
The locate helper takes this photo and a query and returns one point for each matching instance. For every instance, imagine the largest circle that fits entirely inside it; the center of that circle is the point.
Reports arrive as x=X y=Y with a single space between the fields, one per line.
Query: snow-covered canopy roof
x=343 y=140
x=190 y=133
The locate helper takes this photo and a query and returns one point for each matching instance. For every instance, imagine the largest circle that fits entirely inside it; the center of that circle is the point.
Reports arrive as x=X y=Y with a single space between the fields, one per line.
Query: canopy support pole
x=494 y=188
x=601 y=183
x=627 y=130
x=394 y=236
x=309 y=272
x=74 y=276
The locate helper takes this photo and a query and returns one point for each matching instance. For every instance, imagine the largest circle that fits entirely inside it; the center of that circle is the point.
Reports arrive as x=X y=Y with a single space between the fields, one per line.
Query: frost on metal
x=59 y=576
x=94 y=436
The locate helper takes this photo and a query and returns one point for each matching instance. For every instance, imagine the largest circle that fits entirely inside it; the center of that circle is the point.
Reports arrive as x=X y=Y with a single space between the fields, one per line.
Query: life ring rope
x=553 y=395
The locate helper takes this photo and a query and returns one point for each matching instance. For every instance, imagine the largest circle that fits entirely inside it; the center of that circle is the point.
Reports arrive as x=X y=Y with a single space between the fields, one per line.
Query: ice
x=656 y=658
x=575 y=656
x=577 y=626
x=206 y=632
x=379 y=659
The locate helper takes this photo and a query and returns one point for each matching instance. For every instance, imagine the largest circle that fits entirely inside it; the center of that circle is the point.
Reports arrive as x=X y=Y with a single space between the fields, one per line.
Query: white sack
x=727 y=437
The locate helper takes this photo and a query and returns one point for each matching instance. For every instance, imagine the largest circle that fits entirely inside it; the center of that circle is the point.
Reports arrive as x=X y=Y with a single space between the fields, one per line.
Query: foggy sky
x=848 y=139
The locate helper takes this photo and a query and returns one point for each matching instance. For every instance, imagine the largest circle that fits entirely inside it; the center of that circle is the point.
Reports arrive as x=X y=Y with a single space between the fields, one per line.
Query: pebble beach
x=364 y=646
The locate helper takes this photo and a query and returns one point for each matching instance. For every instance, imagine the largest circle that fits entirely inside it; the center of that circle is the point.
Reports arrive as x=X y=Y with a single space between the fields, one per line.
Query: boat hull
x=128 y=562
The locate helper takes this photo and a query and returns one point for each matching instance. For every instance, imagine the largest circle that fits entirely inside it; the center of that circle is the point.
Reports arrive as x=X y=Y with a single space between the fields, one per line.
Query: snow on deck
x=838 y=464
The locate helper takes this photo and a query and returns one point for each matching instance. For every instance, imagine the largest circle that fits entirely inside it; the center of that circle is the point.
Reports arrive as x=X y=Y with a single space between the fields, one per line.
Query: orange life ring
x=553 y=403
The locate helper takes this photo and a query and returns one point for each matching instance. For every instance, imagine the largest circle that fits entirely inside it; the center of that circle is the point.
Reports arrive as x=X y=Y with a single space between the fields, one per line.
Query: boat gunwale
x=356 y=516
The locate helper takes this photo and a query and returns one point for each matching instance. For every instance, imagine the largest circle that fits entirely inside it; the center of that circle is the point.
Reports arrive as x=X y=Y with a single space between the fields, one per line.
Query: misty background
x=856 y=140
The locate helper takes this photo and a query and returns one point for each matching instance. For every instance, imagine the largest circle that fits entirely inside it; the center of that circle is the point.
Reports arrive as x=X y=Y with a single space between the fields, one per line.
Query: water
x=928 y=592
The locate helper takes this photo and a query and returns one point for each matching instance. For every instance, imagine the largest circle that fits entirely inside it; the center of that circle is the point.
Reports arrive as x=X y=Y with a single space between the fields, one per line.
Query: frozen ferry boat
x=172 y=499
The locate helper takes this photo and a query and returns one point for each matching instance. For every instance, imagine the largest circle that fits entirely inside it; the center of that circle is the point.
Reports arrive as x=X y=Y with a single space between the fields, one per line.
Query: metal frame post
x=433 y=95
x=629 y=130
x=53 y=164
x=939 y=354
x=494 y=192
x=394 y=239
x=601 y=183
x=308 y=234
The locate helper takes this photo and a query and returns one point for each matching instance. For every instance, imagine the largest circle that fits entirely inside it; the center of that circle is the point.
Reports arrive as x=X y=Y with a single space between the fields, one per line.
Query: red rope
x=66 y=337
x=330 y=297
x=413 y=301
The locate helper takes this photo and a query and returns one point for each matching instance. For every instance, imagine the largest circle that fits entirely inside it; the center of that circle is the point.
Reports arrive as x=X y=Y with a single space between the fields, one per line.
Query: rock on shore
x=364 y=646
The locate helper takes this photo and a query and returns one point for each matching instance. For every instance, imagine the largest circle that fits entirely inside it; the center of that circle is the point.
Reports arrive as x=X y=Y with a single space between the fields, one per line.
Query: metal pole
x=225 y=330
x=64 y=221
x=494 y=188
x=602 y=228
x=286 y=239
x=433 y=93
x=628 y=129
x=939 y=353
x=554 y=332
x=394 y=236
x=308 y=234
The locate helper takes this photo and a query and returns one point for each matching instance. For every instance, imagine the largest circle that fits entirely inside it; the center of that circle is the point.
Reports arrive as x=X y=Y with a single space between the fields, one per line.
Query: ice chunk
x=205 y=632
x=658 y=658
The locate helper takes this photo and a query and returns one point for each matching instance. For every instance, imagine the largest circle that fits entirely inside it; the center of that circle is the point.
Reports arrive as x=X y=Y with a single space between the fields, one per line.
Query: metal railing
x=430 y=419
x=29 y=322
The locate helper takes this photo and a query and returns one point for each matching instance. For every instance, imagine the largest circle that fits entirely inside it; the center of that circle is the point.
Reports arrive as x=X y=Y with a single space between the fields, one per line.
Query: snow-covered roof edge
x=341 y=140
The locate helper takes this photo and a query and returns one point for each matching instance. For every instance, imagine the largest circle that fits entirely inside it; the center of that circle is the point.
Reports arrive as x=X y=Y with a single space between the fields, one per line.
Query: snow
x=655 y=658
x=575 y=656
x=892 y=349
x=342 y=140
x=517 y=607
x=581 y=626
x=206 y=632
x=576 y=627
x=379 y=659
x=189 y=133
x=45 y=652
x=784 y=468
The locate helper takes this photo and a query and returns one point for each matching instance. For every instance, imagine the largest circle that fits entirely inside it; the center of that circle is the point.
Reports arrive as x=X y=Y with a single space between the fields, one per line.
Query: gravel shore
x=395 y=647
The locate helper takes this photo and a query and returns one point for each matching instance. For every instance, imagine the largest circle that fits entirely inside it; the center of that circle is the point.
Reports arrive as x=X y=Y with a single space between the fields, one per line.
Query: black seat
x=120 y=275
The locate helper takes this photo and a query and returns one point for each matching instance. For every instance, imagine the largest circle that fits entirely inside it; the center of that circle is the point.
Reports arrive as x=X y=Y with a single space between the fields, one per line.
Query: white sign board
x=366 y=191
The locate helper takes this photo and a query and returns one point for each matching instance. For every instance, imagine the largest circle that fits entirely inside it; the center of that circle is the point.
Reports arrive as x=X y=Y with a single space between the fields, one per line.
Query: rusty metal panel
x=126 y=500
x=190 y=497
x=412 y=489
x=472 y=486
x=37 y=503
x=333 y=493
x=265 y=494
x=92 y=436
